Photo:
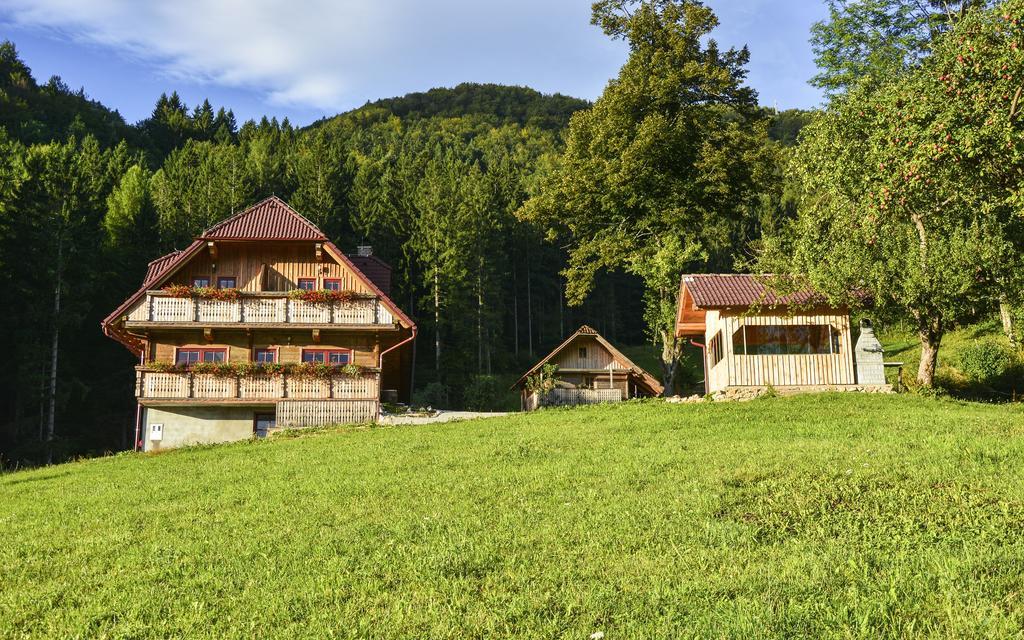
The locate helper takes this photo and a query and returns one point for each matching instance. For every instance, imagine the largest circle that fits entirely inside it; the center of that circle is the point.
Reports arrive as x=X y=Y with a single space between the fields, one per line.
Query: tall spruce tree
x=658 y=176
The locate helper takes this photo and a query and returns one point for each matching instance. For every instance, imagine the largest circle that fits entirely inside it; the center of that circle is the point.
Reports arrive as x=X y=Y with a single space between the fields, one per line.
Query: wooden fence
x=311 y=413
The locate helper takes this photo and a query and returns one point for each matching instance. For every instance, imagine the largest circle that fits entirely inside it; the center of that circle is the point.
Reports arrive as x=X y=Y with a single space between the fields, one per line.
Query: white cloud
x=332 y=54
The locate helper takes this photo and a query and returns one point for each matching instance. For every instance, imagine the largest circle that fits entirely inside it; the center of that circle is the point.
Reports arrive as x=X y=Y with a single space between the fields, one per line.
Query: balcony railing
x=258 y=308
x=162 y=385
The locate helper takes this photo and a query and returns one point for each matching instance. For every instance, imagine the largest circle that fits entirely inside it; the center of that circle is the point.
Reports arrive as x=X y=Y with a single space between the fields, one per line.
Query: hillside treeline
x=432 y=181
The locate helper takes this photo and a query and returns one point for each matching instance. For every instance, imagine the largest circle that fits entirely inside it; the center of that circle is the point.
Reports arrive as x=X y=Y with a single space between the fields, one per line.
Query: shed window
x=191 y=355
x=583 y=353
x=327 y=356
x=715 y=349
x=226 y=282
x=201 y=281
x=307 y=283
x=806 y=339
x=332 y=284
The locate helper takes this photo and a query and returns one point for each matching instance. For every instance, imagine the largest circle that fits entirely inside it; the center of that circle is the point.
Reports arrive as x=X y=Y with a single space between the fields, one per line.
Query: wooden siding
x=597 y=356
x=779 y=370
x=268 y=266
x=293 y=413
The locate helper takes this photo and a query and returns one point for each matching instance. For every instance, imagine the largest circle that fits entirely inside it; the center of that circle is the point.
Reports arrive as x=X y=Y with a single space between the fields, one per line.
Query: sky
x=306 y=59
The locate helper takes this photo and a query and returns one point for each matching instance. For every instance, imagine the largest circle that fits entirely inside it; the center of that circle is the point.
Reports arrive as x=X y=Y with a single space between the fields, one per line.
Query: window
x=327 y=356
x=191 y=355
x=715 y=349
x=583 y=353
x=332 y=284
x=265 y=356
x=806 y=339
x=200 y=281
x=307 y=283
x=226 y=282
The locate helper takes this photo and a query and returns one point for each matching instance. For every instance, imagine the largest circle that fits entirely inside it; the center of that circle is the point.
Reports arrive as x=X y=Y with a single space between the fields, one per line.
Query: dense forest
x=510 y=217
x=432 y=181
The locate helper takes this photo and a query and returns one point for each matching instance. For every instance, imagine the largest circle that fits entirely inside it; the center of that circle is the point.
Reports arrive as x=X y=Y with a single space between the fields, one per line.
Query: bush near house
x=833 y=515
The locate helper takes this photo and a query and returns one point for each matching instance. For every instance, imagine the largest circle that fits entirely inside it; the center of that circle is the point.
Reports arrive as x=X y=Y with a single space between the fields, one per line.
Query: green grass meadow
x=832 y=515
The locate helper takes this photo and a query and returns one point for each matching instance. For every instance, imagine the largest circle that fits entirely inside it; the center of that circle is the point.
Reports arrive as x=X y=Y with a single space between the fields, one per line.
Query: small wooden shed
x=590 y=370
x=752 y=337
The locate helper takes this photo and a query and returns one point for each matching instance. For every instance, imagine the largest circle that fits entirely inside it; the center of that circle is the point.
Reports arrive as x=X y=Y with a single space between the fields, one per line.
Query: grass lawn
x=816 y=516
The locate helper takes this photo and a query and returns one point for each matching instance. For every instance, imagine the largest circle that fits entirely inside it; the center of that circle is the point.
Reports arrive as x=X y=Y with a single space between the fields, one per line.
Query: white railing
x=261 y=308
x=572 y=397
x=159 y=385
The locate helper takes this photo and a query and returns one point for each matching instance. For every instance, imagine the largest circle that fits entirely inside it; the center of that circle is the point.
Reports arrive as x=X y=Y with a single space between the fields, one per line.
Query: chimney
x=364 y=251
x=868 y=356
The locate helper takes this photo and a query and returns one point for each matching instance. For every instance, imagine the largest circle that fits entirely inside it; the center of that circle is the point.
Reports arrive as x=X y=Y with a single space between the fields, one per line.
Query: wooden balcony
x=153 y=387
x=158 y=309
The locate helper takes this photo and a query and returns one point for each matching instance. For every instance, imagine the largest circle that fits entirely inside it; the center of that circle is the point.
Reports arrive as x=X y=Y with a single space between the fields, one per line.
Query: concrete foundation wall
x=198 y=425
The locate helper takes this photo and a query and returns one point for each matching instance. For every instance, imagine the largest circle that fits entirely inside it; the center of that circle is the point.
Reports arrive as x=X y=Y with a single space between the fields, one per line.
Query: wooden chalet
x=590 y=370
x=752 y=337
x=230 y=298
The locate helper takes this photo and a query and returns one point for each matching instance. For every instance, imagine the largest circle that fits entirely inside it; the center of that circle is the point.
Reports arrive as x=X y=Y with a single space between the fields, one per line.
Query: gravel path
x=442 y=416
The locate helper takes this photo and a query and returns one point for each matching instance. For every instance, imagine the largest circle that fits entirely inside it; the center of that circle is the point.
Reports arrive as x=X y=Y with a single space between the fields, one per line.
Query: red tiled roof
x=270 y=219
x=157 y=266
x=740 y=290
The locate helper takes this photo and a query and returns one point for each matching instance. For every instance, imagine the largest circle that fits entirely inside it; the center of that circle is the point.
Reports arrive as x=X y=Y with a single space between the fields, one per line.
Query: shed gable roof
x=717 y=290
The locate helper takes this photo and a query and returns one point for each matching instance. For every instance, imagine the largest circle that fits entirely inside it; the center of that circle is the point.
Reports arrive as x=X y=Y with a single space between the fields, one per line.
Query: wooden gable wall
x=268 y=266
x=598 y=357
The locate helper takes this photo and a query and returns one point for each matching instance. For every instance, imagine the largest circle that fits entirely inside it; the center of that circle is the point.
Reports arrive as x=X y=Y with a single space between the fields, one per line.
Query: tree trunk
x=54 y=346
x=930 y=331
x=437 y=323
x=529 y=310
x=669 y=362
x=515 y=306
x=479 y=321
x=1006 y=316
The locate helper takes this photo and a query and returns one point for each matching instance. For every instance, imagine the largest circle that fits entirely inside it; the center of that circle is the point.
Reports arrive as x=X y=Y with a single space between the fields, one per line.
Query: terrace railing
x=163 y=385
x=258 y=308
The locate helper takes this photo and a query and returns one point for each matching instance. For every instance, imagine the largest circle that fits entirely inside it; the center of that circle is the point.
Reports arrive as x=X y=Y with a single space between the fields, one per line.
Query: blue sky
x=305 y=59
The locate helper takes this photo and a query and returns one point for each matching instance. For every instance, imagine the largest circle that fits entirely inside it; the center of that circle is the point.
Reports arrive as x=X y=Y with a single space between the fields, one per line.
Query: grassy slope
x=819 y=515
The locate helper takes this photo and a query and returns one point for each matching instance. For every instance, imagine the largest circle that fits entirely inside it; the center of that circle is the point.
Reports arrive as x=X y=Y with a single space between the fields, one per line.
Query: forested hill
x=503 y=104
x=432 y=180
x=34 y=113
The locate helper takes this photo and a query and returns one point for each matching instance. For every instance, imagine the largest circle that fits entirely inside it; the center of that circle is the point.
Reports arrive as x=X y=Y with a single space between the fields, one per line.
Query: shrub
x=987 y=360
x=544 y=380
x=481 y=394
x=433 y=395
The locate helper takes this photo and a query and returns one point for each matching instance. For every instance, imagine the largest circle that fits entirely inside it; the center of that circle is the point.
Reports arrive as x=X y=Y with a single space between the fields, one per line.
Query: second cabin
x=589 y=370
x=752 y=337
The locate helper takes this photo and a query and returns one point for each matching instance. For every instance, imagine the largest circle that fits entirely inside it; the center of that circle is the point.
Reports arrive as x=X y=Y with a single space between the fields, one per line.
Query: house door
x=262 y=423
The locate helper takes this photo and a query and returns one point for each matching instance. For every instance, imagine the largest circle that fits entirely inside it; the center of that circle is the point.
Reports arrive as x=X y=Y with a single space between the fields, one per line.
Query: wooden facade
x=589 y=370
x=265 y=252
x=809 y=344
